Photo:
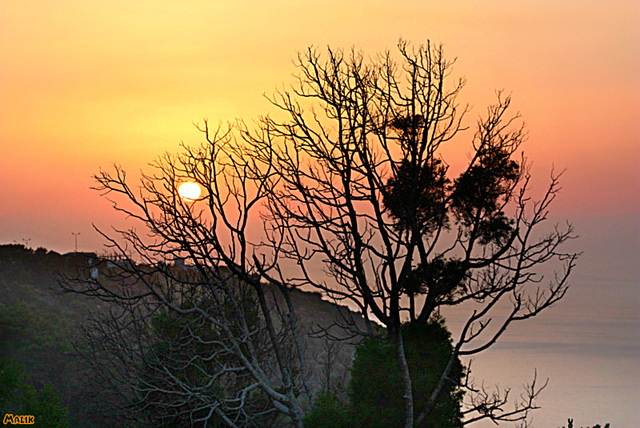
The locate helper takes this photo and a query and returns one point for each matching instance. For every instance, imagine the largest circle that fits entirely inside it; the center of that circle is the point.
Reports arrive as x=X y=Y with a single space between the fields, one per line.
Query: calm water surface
x=588 y=345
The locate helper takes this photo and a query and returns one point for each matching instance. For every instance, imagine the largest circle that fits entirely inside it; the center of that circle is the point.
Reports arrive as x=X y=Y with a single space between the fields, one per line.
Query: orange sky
x=84 y=84
x=88 y=83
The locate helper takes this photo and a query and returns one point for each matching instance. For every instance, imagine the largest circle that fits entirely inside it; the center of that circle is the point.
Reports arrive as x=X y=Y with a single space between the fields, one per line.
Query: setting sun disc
x=189 y=191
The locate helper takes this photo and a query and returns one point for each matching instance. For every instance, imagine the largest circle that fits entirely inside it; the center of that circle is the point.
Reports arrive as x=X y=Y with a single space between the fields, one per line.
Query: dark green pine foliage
x=328 y=412
x=375 y=389
x=480 y=192
x=415 y=195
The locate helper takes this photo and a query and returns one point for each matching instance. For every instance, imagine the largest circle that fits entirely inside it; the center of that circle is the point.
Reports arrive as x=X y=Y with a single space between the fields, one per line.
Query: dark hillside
x=39 y=324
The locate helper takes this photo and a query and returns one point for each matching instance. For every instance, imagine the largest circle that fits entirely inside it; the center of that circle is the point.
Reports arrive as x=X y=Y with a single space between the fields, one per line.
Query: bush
x=375 y=389
x=328 y=412
x=19 y=398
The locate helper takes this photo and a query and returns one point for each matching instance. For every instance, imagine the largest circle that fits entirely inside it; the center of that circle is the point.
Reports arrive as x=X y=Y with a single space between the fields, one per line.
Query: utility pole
x=75 y=235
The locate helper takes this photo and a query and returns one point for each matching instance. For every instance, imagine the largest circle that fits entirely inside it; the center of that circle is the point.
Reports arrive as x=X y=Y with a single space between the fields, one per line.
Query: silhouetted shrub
x=375 y=389
x=328 y=412
x=570 y=424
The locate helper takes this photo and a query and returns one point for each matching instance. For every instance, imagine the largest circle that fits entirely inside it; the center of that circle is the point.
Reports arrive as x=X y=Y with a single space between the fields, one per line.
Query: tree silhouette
x=347 y=176
x=361 y=188
x=226 y=297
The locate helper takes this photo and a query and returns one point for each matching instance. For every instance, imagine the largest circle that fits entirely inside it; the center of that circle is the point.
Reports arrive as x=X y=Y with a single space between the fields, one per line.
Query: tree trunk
x=407 y=393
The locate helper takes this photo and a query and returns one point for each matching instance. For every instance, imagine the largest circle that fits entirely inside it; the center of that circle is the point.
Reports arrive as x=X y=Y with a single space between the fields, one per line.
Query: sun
x=189 y=191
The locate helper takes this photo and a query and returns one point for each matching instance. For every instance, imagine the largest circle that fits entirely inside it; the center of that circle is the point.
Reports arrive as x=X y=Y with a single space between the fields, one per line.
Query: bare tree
x=360 y=187
x=348 y=179
x=212 y=339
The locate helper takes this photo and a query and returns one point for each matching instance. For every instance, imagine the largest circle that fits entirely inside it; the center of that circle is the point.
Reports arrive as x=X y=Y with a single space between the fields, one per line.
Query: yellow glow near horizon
x=88 y=84
x=189 y=191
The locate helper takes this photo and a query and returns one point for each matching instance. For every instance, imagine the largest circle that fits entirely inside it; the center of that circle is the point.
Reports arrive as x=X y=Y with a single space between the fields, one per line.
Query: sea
x=587 y=345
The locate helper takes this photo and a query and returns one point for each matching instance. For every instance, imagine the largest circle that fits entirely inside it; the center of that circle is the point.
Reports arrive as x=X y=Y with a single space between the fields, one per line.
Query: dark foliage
x=570 y=424
x=38 y=325
x=18 y=397
x=416 y=195
x=328 y=412
x=482 y=191
x=375 y=389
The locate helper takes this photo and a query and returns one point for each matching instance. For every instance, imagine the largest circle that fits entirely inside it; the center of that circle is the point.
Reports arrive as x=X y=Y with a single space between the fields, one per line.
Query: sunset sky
x=86 y=84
